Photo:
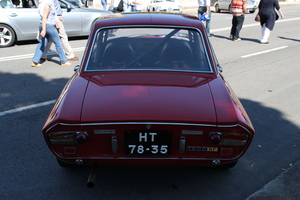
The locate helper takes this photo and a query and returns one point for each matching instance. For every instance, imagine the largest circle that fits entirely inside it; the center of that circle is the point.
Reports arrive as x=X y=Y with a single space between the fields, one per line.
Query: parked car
x=148 y=92
x=18 y=23
x=164 y=6
x=225 y=5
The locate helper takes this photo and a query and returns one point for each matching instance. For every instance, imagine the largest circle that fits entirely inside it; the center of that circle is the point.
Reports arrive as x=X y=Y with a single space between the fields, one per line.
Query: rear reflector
x=226 y=151
x=69 y=150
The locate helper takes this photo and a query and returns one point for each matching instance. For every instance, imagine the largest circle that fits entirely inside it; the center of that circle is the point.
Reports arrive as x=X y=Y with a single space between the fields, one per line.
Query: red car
x=148 y=92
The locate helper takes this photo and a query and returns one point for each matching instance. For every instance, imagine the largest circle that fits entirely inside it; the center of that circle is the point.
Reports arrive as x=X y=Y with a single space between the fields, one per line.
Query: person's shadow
x=243 y=39
x=292 y=39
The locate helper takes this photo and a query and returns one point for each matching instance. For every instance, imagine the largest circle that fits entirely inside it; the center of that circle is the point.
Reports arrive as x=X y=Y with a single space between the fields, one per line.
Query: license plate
x=147 y=142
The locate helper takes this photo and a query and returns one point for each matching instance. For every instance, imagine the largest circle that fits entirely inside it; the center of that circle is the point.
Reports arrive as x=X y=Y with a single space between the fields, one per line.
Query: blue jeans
x=51 y=34
x=103 y=2
x=201 y=10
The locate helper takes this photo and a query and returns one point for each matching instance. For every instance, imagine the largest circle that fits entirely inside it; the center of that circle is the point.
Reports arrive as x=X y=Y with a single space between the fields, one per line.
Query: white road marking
x=27 y=107
x=262 y=52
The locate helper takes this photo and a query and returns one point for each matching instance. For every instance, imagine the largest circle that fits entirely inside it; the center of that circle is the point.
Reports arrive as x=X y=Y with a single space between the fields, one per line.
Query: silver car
x=226 y=5
x=21 y=22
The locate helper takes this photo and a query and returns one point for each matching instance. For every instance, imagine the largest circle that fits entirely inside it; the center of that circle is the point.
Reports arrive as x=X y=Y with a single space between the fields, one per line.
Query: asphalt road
x=264 y=77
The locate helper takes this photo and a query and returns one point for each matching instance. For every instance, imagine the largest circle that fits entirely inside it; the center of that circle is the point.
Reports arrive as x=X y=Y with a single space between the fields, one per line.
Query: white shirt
x=204 y=3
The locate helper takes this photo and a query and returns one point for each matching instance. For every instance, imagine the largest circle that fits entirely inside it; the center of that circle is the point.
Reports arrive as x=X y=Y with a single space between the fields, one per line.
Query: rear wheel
x=7 y=36
x=217 y=8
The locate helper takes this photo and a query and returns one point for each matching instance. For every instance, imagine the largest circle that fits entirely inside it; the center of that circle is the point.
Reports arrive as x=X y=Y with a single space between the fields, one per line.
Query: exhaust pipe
x=91 y=180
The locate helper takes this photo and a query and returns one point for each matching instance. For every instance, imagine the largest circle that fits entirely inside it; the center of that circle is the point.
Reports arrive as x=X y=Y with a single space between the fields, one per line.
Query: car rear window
x=167 y=49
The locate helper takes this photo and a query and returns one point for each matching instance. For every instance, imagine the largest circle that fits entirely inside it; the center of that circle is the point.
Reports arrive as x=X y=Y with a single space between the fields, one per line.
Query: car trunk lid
x=148 y=97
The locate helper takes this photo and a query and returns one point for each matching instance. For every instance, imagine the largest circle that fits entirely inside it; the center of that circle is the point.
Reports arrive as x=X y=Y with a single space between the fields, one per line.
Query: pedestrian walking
x=48 y=31
x=204 y=8
x=104 y=4
x=268 y=16
x=62 y=34
x=238 y=10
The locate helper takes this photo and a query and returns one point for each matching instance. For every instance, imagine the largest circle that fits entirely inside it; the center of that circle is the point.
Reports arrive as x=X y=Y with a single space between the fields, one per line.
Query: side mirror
x=76 y=68
x=220 y=69
x=69 y=8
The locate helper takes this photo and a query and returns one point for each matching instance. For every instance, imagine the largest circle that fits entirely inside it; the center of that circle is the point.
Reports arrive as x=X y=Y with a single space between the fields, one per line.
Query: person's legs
x=208 y=24
x=64 y=39
x=40 y=48
x=265 y=34
x=233 y=27
x=46 y=49
x=201 y=11
x=239 y=25
x=103 y=2
x=53 y=35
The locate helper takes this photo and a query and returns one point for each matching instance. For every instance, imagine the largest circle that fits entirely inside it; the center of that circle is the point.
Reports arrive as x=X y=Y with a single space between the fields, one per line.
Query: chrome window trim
x=152 y=123
x=85 y=70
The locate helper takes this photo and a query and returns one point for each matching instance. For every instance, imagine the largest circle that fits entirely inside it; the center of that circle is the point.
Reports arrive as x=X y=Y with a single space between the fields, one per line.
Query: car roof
x=145 y=18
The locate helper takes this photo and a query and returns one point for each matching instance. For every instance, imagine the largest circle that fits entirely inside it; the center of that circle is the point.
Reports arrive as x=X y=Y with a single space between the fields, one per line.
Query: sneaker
x=65 y=64
x=74 y=58
x=238 y=39
x=231 y=37
x=34 y=64
x=264 y=42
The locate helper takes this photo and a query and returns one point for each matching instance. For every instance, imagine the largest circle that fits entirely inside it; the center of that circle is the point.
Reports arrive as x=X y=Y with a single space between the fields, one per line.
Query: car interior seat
x=177 y=55
x=117 y=55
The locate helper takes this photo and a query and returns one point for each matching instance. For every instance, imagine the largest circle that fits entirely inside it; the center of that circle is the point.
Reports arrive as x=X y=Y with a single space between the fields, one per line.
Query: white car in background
x=164 y=6
x=225 y=5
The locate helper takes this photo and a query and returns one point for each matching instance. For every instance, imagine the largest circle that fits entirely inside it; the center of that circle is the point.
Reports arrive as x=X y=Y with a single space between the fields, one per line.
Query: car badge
x=148 y=126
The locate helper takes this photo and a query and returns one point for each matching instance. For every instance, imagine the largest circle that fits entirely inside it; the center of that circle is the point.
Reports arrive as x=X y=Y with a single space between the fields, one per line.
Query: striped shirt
x=237 y=6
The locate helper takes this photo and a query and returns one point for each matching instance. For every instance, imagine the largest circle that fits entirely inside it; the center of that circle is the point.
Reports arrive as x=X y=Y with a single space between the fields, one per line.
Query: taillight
x=228 y=138
x=68 y=137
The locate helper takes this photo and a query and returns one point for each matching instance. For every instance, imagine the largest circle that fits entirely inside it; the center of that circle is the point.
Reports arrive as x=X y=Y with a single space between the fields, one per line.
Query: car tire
x=66 y=165
x=8 y=36
x=217 y=8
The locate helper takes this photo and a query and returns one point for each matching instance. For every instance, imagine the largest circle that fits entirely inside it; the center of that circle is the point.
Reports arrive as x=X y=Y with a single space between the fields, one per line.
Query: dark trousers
x=237 y=24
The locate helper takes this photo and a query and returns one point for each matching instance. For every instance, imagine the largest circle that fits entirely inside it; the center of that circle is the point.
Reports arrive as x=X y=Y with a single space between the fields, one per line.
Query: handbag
x=257 y=18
